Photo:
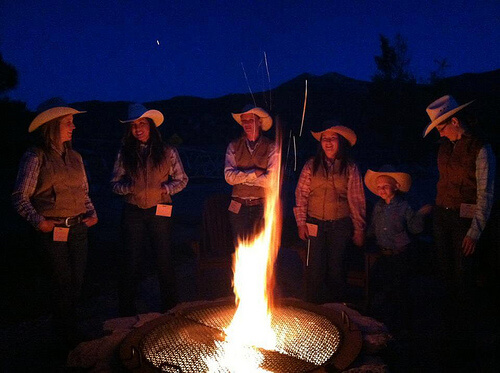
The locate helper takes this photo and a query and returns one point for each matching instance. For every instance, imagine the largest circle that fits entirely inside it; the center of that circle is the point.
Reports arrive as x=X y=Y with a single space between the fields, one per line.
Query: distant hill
x=388 y=119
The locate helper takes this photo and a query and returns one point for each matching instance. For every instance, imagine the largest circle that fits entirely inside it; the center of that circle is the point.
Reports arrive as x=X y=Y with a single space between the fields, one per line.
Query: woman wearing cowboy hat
x=147 y=172
x=464 y=200
x=466 y=182
x=51 y=192
x=330 y=211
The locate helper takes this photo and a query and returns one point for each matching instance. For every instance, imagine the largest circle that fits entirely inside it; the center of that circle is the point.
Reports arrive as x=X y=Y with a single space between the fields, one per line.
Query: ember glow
x=253 y=284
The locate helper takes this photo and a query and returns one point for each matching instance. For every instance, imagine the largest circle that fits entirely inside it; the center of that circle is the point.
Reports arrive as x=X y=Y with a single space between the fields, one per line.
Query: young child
x=391 y=222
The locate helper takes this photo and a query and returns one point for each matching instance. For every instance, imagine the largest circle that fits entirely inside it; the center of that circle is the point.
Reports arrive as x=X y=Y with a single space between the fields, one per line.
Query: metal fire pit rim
x=347 y=352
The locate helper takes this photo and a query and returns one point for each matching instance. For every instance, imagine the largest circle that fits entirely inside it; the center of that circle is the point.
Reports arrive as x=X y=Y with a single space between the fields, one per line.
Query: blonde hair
x=50 y=133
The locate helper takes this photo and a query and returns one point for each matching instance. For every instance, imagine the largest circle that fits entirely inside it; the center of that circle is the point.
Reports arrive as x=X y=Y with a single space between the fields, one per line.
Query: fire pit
x=310 y=339
x=255 y=336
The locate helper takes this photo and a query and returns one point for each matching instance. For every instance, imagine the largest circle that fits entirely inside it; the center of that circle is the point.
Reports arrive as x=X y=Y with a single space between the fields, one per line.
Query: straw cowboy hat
x=136 y=111
x=265 y=118
x=334 y=126
x=402 y=178
x=51 y=109
x=442 y=109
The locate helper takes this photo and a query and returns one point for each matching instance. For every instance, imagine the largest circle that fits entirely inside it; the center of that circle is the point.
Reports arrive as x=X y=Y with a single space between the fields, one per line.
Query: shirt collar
x=397 y=199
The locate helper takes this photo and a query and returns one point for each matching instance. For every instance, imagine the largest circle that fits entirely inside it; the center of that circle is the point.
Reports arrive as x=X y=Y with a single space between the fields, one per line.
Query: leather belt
x=68 y=222
x=390 y=252
x=249 y=201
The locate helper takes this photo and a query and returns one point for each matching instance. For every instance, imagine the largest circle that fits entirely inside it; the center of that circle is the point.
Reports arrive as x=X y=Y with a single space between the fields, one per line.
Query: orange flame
x=253 y=267
x=253 y=283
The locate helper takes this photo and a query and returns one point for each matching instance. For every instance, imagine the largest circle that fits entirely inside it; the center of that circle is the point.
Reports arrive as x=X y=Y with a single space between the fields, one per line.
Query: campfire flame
x=253 y=285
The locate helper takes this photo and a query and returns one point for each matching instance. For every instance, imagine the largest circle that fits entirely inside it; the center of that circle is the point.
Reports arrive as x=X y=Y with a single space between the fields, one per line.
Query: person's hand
x=90 y=221
x=303 y=232
x=425 y=210
x=46 y=226
x=468 y=246
x=259 y=172
x=358 y=238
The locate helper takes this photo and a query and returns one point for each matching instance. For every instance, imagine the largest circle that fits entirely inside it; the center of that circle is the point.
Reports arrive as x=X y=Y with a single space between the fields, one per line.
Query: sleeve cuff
x=473 y=234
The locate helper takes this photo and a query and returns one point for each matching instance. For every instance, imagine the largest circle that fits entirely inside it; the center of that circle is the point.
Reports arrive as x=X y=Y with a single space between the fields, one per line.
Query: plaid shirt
x=355 y=196
x=485 y=179
x=122 y=185
x=27 y=179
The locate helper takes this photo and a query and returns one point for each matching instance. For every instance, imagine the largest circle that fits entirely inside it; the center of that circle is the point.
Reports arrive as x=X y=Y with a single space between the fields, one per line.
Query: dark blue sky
x=108 y=49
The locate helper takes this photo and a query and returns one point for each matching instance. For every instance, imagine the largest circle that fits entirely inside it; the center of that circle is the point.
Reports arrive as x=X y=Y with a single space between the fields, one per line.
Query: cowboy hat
x=402 y=178
x=442 y=109
x=265 y=118
x=51 y=109
x=136 y=111
x=334 y=126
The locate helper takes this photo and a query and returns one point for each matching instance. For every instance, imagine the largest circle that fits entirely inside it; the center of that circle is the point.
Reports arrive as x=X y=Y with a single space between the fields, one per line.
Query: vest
x=246 y=161
x=147 y=191
x=457 y=172
x=60 y=190
x=328 y=194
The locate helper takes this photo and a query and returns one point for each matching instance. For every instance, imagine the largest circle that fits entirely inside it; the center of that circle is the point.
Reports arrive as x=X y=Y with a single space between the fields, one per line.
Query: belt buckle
x=66 y=222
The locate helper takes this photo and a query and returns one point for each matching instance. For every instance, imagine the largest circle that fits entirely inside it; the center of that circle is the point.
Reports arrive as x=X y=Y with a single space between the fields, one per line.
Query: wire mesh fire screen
x=309 y=339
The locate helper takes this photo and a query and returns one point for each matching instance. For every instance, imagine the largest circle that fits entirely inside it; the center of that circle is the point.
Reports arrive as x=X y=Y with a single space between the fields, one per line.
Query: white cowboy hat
x=333 y=126
x=265 y=118
x=402 y=178
x=136 y=111
x=442 y=109
x=51 y=109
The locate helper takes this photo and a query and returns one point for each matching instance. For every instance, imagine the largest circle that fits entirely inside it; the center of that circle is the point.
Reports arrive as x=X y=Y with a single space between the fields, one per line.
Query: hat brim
x=265 y=118
x=346 y=132
x=51 y=114
x=402 y=178
x=155 y=115
x=443 y=117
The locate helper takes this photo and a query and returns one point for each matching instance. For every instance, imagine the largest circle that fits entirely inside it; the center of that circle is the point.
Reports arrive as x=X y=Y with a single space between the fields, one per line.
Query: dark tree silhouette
x=393 y=65
x=8 y=76
x=440 y=72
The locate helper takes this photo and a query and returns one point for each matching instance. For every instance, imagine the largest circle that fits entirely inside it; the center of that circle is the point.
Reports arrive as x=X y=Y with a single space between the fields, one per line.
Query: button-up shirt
x=391 y=222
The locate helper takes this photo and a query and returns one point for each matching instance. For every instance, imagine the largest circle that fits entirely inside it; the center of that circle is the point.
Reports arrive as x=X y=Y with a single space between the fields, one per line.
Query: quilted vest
x=457 y=172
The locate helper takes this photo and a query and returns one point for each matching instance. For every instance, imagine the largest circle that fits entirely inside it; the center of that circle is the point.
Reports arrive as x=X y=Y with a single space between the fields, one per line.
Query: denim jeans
x=140 y=226
x=456 y=271
x=248 y=220
x=66 y=262
x=325 y=274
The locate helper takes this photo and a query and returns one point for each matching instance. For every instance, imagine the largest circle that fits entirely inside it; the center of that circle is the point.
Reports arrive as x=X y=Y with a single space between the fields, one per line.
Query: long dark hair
x=131 y=154
x=343 y=155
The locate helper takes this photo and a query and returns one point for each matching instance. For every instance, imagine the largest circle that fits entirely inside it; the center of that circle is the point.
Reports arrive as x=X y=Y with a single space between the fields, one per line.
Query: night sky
x=115 y=50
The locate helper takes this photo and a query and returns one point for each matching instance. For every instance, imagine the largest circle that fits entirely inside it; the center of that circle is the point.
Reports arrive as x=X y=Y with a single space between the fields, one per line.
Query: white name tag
x=234 y=206
x=60 y=234
x=312 y=229
x=164 y=210
x=467 y=210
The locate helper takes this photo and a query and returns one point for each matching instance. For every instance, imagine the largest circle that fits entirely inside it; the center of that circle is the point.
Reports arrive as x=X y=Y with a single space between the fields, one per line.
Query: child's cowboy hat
x=265 y=118
x=334 y=126
x=136 y=111
x=51 y=109
x=402 y=178
x=442 y=109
